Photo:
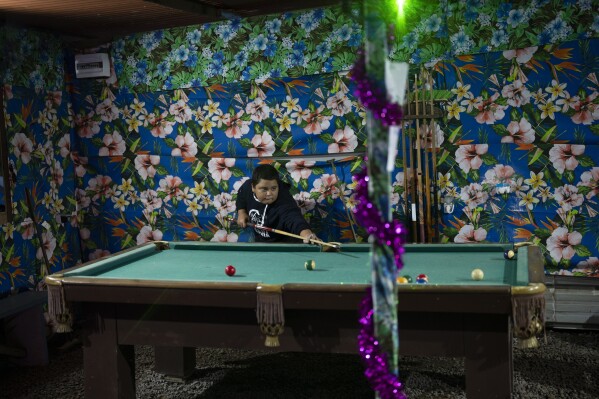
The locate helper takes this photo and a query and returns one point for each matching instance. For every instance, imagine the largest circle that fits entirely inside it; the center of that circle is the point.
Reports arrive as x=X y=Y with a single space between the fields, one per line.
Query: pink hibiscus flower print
x=468 y=234
x=488 y=111
x=300 y=169
x=114 y=145
x=85 y=125
x=146 y=234
x=520 y=132
x=223 y=236
x=22 y=147
x=146 y=165
x=562 y=242
x=563 y=156
x=590 y=179
x=326 y=186
x=186 y=146
x=264 y=145
x=469 y=156
x=567 y=197
x=345 y=141
x=219 y=168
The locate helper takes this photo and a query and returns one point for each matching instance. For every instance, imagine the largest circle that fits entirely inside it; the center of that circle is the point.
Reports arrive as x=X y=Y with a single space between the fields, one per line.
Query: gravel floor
x=565 y=367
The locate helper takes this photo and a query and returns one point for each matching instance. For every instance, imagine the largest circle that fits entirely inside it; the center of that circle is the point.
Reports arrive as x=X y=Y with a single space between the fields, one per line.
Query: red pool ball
x=230 y=270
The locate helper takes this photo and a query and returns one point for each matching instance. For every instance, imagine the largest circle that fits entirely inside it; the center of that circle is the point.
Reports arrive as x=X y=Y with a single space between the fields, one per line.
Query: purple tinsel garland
x=391 y=234
x=373 y=97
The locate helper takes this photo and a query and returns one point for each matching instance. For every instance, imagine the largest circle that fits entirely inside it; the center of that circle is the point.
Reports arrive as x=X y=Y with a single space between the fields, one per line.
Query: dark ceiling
x=89 y=23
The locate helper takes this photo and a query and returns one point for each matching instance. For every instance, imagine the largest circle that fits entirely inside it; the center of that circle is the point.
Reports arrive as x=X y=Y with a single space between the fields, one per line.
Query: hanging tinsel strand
x=373 y=97
x=391 y=234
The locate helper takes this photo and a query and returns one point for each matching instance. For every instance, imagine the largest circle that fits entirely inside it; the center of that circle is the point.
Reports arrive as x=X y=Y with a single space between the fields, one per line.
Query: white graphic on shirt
x=258 y=220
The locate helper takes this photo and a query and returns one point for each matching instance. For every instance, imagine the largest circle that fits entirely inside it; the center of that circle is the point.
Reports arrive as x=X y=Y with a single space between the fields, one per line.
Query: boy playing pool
x=265 y=200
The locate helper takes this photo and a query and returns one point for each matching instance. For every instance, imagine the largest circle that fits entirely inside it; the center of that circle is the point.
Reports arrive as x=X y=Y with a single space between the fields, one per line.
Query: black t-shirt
x=283 y=214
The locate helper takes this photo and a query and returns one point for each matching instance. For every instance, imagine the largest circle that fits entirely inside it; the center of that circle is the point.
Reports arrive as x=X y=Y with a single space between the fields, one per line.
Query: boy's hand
x=242 y=218
x=307 y=235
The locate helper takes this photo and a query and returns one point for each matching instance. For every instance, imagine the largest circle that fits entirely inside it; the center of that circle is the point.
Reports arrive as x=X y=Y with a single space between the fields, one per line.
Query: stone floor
x=565 y=367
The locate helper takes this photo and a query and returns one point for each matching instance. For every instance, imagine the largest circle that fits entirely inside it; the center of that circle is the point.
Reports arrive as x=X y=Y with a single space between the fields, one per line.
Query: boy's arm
x=241 y=205
x=294 y=222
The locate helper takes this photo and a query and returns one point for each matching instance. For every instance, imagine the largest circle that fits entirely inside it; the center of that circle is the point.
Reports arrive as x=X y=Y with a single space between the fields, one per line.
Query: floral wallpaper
x=159 y=149
x=38 y=127
x=442 y=29
x=525 y=118
x=31 y=60
x=326 y=40
x=167 y=165
x=287 y=45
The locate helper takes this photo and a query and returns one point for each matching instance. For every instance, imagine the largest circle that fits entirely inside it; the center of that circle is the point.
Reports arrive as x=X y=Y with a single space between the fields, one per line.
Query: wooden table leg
x=176 y=363
x=488 y=363
x=109 y=367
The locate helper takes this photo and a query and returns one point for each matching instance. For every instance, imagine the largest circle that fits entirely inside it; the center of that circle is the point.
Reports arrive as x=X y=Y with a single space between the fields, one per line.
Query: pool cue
x=427 y=168
x=38 y=232
x=404 y=165
x=312 y=240
x=410 y=176
x=419 y=190
x=436 y=213
x=332 y=245
x=338 y=184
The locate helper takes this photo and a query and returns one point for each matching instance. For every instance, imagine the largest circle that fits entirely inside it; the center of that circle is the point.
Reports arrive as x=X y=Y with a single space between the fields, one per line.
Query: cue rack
x=419 y=150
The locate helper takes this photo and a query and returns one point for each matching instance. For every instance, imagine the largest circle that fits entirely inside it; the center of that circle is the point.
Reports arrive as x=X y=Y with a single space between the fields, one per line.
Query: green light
x=401 y=22
x=400 y=6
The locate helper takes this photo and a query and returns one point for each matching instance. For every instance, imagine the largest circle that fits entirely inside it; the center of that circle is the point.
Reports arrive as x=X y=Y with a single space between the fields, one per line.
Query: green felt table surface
x=444 y=264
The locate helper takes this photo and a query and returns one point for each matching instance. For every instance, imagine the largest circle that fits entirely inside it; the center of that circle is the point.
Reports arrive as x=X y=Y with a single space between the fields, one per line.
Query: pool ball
x=310 y=265
x=421 y=281
x=402 y=280
x=509 y=254
x=408 y=277
x=230 y=270
x=477 y=274
x=422 y=277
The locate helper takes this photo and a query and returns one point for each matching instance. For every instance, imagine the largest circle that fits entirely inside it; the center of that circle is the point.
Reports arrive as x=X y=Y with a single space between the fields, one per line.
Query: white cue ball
x=477 y=274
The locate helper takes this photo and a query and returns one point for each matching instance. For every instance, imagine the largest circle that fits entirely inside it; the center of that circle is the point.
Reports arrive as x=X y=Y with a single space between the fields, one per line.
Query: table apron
x=328 y=331
x=497 y=301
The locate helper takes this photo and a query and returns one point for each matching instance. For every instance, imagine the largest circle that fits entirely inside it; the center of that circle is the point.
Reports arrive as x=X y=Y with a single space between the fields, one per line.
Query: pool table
x=176 y=297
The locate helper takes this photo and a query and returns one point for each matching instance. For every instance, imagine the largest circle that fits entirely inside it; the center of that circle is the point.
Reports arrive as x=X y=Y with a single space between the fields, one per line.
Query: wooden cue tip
x=334 y=246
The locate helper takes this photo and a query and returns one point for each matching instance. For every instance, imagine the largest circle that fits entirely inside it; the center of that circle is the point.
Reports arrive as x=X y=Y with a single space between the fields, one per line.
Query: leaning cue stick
x=436 y=212
x=427 y=178
x=406 y=174
x=419 y=166
x=410 y=177
x=338 y=184
x=414 y=195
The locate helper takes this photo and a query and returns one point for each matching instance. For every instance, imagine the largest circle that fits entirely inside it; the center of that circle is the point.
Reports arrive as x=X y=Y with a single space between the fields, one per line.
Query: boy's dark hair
x=264 y=172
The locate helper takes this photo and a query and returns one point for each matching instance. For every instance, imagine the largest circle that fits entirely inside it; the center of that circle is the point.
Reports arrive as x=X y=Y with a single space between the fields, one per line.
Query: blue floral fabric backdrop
x=527 y=118
x=168 y=165
x=39 y=139
x=442 y=29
